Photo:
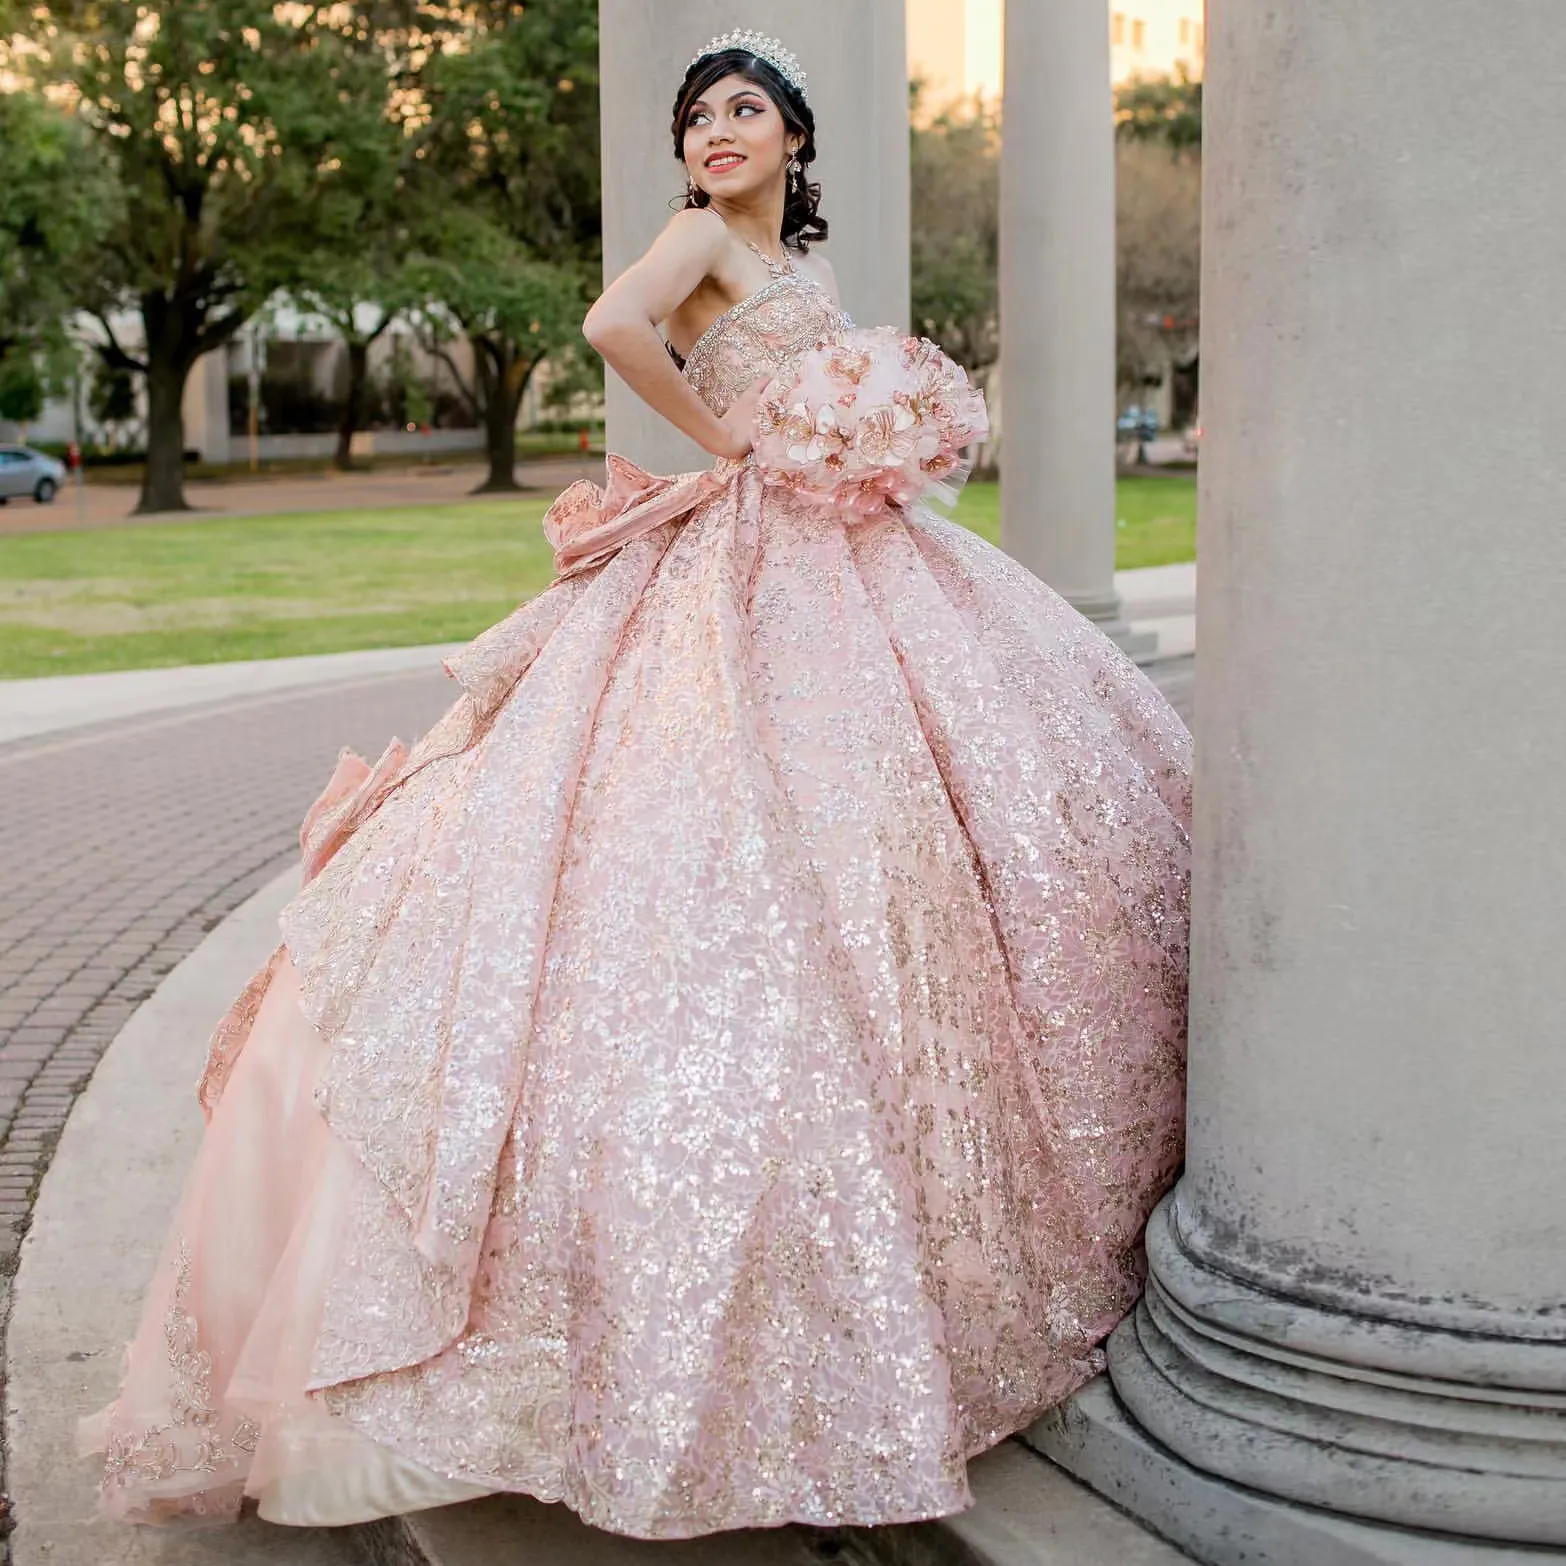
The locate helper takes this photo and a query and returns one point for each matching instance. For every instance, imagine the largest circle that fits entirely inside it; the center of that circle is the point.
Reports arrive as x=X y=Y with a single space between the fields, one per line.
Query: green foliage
x=955 y=247
x=55 y=202
x=228 y=128
x=21 y=389
x=234 y=131
x=508 y=239
x=1162 y=109
x=477 y=277
x=1158 y=193
x=111 y=395
x=1158 y=253
x=513 y=127
x=349 y=267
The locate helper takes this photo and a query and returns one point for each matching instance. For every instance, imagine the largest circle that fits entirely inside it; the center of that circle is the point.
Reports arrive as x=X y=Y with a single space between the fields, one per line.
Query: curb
x=98 y=1226
x=55 y=702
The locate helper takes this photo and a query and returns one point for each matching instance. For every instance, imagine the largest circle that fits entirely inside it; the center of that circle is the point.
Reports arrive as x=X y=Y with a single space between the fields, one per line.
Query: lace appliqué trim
x=193 y=1439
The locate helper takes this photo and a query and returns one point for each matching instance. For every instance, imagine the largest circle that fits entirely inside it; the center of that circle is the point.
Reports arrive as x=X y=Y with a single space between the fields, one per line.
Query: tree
x=356 y=277
x=511 y=238
x=955 y=247
x=111 y=400
x=227 y=124
x=513 y=310
x=21 y=391
x=55 y=201
x=1158 y=260
x=359 y=313
x=1158 y=123
x=1163 y=109
x=359 y=287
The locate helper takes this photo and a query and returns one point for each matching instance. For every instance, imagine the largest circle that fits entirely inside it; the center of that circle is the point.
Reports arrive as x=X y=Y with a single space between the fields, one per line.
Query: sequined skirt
x=717 y=1078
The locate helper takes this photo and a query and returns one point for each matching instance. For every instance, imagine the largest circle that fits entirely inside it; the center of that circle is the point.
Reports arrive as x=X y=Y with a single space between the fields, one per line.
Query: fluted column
x=1353 y=1344
x=856 y=57
x=1057 y=289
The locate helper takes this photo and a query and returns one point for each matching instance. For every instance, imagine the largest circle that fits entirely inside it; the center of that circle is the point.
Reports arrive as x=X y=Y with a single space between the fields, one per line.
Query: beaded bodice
x=762 y=332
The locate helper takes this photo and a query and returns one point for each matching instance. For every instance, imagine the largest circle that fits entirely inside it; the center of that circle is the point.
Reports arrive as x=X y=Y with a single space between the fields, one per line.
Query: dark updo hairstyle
x=803 y=224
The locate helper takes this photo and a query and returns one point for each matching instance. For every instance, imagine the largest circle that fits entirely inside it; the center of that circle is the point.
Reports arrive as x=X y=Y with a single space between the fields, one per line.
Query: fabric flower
x=866 y=420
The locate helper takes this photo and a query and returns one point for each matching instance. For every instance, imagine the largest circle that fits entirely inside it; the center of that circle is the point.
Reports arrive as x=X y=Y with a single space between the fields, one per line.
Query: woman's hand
x=738 y=425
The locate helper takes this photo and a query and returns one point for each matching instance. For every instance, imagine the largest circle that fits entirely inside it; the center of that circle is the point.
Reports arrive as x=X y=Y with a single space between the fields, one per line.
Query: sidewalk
x=1162 y=599
x=69 y=701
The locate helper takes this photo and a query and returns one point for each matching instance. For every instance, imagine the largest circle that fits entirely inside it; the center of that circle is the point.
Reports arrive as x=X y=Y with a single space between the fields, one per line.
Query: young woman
x=720 y=1075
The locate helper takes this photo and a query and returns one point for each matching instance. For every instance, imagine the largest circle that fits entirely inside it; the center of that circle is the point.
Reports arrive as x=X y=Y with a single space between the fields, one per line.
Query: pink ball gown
x=719 y=1076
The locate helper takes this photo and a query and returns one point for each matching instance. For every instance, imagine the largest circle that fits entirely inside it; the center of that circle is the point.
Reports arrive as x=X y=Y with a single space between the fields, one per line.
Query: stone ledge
x=1027 y=1512
x=503 y=1529
x=1092 y=1437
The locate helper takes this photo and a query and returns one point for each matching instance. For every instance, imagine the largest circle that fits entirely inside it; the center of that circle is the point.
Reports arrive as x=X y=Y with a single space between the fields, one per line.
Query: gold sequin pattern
x=756 y=1016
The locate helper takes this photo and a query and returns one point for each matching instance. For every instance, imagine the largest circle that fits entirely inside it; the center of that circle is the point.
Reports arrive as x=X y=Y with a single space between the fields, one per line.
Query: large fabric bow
x=587 y=524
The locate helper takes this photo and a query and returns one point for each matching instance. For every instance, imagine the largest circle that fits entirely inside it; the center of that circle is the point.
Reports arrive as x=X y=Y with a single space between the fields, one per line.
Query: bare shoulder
x=818 y=269
x=696 y=231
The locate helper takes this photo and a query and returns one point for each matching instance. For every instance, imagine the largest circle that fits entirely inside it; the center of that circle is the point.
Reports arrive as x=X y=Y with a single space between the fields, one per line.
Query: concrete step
x=507 y=1529
x=1027 y=1512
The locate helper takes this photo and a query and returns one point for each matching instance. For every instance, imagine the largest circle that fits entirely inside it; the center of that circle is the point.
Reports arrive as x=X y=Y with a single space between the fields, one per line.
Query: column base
x=1104 y=610
x=1095 y=1440
x=1318 y=1421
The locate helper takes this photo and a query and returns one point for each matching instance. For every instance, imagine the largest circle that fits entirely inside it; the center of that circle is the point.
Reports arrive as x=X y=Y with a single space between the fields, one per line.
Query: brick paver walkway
x=120 y=847
x=123 y=844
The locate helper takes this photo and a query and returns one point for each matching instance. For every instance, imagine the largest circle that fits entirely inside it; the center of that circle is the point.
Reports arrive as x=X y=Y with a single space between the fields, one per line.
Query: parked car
x=1137 y=423
x=24 y=471
x=1193 y=439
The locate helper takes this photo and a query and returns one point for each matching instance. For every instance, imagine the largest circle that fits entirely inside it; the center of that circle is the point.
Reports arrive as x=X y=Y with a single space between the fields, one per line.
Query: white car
x=24 y=471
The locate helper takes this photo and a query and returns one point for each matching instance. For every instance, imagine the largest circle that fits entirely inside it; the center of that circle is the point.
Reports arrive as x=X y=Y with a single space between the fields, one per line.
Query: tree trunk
x=501 y=375
x=353 y=403
x=500 y=442
x=163 y=482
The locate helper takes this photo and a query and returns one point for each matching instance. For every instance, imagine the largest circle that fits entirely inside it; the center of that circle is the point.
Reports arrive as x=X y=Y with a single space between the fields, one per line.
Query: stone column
x=1057 y=289
x=1353 y=1344
x=856 y=58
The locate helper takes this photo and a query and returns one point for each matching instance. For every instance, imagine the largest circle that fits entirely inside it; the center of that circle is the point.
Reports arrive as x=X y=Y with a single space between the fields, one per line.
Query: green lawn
x=271 y=587
x=1155 y=517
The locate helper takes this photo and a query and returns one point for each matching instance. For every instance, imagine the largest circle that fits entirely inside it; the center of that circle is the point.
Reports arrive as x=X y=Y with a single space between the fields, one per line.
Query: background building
x=955 y=46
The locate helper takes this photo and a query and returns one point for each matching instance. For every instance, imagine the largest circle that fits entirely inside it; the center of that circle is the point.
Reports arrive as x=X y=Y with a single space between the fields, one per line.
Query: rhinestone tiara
x=782 y=60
